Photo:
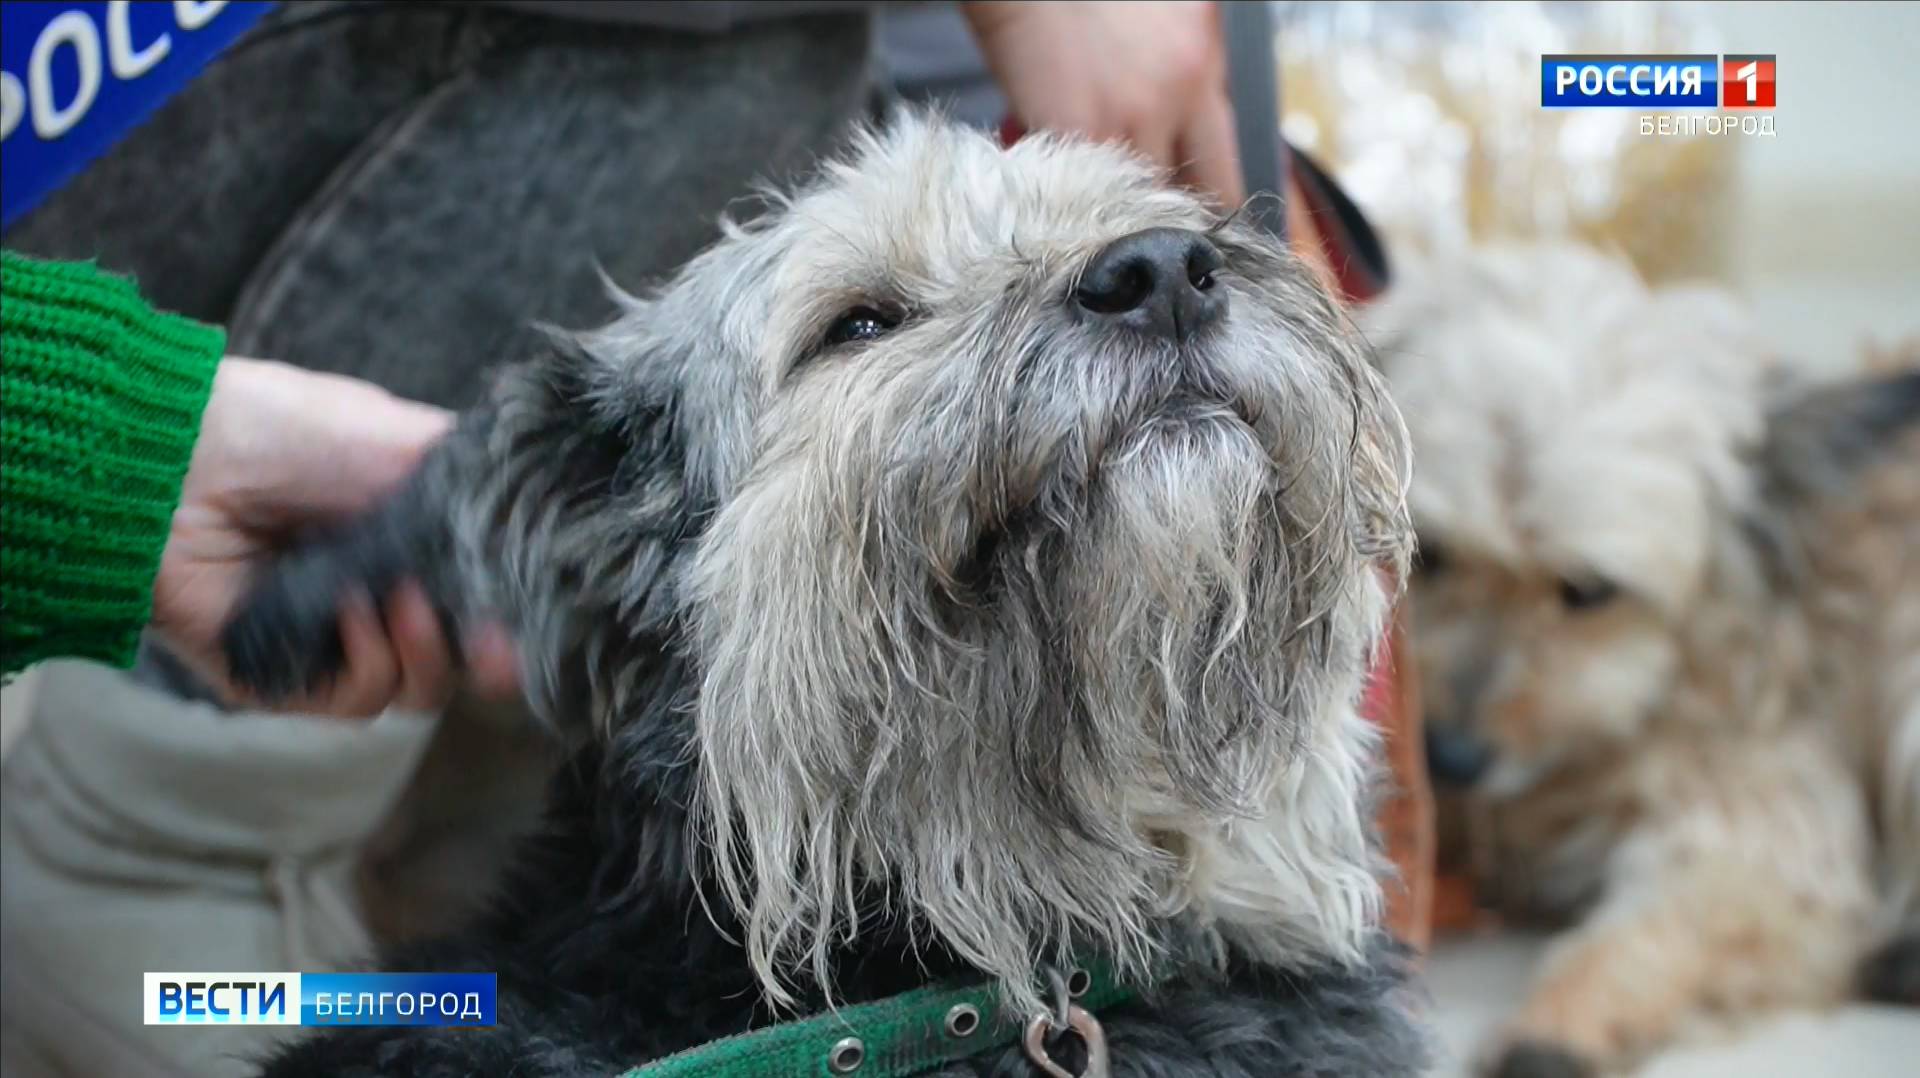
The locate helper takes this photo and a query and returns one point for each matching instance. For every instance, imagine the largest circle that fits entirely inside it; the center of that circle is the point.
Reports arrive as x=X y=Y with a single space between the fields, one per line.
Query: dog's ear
x=1819 y=441
x=560 y=508
x=1818 y=444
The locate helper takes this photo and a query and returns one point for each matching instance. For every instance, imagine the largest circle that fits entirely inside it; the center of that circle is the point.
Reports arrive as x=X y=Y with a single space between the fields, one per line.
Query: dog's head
x=1584 y=448
x=1001 y=530
x=1036 y=579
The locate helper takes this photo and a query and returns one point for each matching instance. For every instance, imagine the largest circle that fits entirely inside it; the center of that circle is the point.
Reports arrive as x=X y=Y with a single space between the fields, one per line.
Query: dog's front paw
x=283 y=637
x=1892 y=973
x=1529 y=1058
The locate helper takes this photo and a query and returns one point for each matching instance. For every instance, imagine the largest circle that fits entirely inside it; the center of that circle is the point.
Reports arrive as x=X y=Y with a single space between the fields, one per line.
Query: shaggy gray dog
x=972 y=563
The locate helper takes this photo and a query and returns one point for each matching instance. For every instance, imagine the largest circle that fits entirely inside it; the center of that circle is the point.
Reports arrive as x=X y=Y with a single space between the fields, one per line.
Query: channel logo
x=1657 y=82
x=222 y=999
x=1747 y=81
x=1634 y=82
x=319 y=999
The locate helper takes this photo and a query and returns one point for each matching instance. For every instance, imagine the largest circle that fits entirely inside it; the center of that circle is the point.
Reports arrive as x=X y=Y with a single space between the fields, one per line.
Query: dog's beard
x=1039 y=646
x=1182 y=554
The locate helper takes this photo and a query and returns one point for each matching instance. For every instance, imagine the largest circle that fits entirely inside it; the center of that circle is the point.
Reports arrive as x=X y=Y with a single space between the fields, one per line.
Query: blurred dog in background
x=1667 y=615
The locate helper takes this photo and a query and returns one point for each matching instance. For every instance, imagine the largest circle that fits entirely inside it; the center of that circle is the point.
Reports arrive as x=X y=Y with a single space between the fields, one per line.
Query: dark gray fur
x=1818 y=442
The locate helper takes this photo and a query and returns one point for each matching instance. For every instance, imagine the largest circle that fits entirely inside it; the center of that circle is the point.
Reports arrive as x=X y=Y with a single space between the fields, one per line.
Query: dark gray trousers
x=397 y=191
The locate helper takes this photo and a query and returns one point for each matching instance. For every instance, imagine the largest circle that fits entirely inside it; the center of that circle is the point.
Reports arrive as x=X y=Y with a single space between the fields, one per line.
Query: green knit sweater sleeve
x=100 y=403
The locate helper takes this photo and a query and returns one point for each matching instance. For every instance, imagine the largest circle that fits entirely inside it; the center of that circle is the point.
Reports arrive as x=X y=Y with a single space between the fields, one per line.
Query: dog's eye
x=859 y=324
x=1587 y=593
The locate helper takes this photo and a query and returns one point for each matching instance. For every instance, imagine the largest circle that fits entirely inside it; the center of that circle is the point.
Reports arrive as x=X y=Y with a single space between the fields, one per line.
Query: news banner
x=319 y=999
x=1743 y=84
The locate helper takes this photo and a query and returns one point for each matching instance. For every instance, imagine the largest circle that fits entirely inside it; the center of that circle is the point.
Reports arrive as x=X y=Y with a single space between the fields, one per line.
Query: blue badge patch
x=75 y=77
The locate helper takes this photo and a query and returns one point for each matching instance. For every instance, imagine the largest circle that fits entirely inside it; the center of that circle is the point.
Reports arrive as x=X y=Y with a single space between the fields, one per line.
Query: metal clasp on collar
x=1068 y=1016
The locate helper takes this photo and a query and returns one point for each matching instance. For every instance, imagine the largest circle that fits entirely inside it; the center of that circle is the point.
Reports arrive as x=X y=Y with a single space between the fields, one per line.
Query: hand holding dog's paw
x=354 y=659
x=282 y=450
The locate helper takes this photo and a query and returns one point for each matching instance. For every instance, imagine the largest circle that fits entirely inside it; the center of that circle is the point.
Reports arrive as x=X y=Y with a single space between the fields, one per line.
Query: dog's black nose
x=1159 y=281
x=1456 y=757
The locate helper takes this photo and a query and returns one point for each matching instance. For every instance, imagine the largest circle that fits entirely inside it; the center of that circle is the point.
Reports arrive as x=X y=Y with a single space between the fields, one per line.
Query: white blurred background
x=1829 y=243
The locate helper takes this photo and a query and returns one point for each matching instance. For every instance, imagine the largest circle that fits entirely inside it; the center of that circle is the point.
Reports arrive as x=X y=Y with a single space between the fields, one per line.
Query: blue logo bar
x=397 y=999
x=1630 y=81
x=75 y=77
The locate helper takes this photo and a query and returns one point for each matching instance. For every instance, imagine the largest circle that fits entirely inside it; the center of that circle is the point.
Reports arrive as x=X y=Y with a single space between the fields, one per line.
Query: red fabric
x=1383 y=689
x=1356 y=285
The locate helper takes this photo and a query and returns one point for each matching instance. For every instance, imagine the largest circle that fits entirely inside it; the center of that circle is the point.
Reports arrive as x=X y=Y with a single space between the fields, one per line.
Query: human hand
x=1151 y=74
x=282 y=449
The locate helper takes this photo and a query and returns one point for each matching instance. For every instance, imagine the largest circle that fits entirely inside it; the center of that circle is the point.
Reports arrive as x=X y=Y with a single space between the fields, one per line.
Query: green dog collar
x=897 y=1037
